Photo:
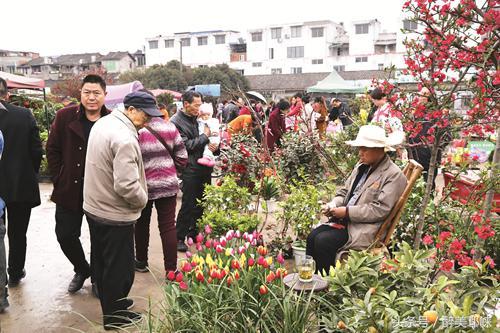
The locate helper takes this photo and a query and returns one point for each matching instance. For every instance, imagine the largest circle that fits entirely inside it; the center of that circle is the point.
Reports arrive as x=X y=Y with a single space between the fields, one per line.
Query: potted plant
x=300 y=211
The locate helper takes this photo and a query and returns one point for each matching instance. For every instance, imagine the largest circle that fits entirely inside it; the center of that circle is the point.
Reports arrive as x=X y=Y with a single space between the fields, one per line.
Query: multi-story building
x=293 y=48
x=195 y=49
x=118 y=62
x=11 y=60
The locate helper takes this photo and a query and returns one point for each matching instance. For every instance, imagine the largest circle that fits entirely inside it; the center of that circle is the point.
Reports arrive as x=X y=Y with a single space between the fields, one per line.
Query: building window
x=256 y=36
x=410 y=25
x=361 y=59
x=256 y=64
x=380 y=67
x=276 y=71
x=186 y=42
x=296 y=70
x=153 y=44
x=317 y=32
x=202 y=41
x=242 y=57
x=295 y=52
x=362 y=29
x=317 y=61
x=169 y=43
x=275 y=33
x=271 y=53
x=296 y=31
x=220 y=39
x=339 y=68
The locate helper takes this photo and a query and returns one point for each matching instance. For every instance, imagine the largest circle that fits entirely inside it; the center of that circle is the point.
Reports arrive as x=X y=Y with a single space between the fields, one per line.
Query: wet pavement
x=41 y=302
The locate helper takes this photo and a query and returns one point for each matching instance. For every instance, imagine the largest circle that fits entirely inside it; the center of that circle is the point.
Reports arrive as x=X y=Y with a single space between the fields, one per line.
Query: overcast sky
x=54 y=27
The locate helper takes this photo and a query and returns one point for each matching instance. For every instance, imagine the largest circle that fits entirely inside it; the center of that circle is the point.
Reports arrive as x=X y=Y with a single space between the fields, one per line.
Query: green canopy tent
x=335 y=84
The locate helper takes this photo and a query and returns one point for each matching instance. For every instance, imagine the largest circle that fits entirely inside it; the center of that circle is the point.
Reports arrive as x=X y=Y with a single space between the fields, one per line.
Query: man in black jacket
x=18 y=178
x=195 y=176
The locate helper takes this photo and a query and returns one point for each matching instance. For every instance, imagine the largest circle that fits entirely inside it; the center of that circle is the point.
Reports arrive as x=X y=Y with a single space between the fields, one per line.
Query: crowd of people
x=113 y=166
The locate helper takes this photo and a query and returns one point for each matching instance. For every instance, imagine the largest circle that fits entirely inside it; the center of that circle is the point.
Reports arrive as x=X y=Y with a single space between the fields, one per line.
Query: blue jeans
x=3 y=266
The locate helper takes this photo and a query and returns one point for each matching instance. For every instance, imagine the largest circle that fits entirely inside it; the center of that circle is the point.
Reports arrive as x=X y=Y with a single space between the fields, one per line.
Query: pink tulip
x=223 y=241
x=208 y=230
x=190 y=241
x=253 y=242
x=245 y=236
x=186 y=267
x=188 y=254
x=208 y=243
x=199 y=247
x=280 y=259
x=241 y=249
x=199 y=238
x=251 y=262
x=219 y=249
x=237 y=234
x=179 y=277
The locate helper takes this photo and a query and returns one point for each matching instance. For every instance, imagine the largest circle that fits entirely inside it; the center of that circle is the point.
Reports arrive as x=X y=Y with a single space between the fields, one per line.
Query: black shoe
x=15 y=279
x=181 y=246
x=129 y=303
x=141 y=266
x=95 y=291
x=77 y=283
x=4 y=303
x=127 y=318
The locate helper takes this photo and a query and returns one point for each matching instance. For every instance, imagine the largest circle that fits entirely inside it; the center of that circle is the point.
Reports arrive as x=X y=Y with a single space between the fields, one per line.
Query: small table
x=317 y=284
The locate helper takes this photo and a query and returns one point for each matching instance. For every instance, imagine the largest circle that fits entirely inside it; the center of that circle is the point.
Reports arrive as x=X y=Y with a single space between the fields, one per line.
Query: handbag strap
x=162 y=141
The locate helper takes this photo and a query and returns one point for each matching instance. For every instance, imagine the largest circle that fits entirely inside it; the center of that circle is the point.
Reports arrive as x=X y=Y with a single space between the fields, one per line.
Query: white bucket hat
x=371 y=136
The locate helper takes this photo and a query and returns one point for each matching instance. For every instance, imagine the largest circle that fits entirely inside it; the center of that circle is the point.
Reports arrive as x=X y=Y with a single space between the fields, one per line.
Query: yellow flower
x=243 y=260
x=269 y=260
x=228 y=252
x=210 y=262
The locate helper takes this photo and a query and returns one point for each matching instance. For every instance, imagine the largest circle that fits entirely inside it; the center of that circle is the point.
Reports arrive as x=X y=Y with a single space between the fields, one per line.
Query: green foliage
x=170 y=77
x=301 y=209
x=299 y=158
x=226 y=207
x=165 y=99
x=369 y=291
x=269 y=188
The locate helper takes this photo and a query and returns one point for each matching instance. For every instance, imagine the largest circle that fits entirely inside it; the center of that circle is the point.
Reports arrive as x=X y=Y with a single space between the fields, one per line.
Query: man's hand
x=339 y=212
x=213 y=147
x=206 y=130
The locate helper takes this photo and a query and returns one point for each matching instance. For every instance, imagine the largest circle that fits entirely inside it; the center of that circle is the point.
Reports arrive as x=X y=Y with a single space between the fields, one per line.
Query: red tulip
x=263 y=290
x=280 y=259
x=200 y=277
x=235 y=264
x=237 y=275
x=229 y=281
x=183 y=286
x=251 y=261
x=213 y=273
x=262 y=250
x=171 y=275
x=179 y=277
x=208 y=243
x=219 y=249
x=270 y=277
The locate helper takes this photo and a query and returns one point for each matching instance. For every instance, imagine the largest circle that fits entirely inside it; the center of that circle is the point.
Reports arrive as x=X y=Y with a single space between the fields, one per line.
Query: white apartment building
x=203 y=48
x=293 y=48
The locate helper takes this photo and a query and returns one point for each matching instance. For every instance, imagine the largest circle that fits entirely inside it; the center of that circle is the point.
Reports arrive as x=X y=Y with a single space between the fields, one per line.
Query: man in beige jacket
x=114 y=194
x=361 y=205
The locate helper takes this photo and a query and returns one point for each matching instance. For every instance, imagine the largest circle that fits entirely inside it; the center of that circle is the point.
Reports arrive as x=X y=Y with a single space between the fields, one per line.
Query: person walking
x=114 y=194
x=66 y=149
x=19 y=167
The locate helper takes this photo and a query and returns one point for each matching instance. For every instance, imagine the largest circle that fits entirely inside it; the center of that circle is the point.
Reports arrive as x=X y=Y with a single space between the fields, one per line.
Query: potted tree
x=300 y=211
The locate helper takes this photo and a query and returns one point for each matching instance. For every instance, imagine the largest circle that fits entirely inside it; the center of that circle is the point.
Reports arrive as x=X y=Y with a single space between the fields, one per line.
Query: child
x=205 y=119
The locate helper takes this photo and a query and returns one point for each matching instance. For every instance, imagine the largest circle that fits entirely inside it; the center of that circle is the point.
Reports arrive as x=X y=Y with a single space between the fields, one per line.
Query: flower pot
x=298 y=253
x=271 y=204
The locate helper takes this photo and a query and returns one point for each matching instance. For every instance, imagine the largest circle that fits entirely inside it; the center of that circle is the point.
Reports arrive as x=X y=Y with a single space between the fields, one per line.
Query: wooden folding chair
x=412 y=171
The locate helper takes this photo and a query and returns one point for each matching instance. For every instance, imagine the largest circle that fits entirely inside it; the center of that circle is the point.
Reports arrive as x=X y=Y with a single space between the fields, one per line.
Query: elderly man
x=361 y=205
x=114 y=194
x=66 y=149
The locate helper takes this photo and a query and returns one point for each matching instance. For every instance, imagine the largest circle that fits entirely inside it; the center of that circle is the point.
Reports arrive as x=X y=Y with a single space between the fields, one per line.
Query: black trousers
x=113 y=266
x=17 y=220
x=193 y=185
x=68 y=231
x=323 y=244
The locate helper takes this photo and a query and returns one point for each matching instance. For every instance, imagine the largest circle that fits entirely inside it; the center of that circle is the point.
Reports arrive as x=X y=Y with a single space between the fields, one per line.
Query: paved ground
x=41 y=302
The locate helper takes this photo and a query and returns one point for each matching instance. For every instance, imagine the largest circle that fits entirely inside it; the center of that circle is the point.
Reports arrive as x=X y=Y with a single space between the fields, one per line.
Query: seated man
x=362 y=204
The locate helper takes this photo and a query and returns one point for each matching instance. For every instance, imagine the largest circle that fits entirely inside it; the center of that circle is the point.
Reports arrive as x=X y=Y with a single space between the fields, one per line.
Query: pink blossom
x=490 y=261
x=219 y=249
x=446 y=265
x=208 y=243
x=280 y=258
x=189 y=254
x=208 y=230
x=190 y=241
x=427 y=240
x=199 y=247
x=183 y=286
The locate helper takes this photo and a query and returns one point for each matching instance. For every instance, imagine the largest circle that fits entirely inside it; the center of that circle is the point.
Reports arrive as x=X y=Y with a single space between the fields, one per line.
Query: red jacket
x=66 y=150
x=275 y=128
